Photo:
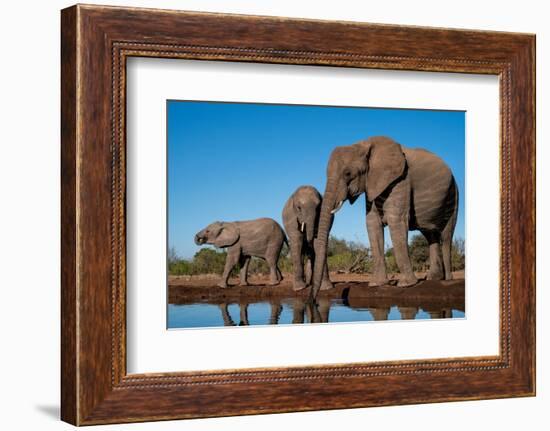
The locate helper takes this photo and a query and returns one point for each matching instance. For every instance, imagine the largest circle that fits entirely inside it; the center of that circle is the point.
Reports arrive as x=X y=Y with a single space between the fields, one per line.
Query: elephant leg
x=379 y=313
x=297 y=262
x=227 y=320
x=308 y=269
x=244 y=261
x=408 y=313
x=273 y=271
x=276 y=309
x=233 y=255
x=298 y=310
x=446 y=313
x=399 y=229
x=436 y=265
x=446 y=251
x=324 y=308
x=326 y=284
x=375 y=230
x=309 y=263
x=312 y=312
x=243 y=314
x=446 y=245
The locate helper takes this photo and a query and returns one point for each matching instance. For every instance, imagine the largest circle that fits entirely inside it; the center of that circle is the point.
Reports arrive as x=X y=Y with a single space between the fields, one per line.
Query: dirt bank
x=352 y=288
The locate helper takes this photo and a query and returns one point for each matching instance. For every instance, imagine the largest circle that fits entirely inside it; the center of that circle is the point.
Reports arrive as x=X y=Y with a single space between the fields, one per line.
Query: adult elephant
x=406 y=189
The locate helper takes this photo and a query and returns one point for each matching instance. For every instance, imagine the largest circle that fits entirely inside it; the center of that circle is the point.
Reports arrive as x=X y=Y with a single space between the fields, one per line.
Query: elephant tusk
x=302 y=227
x=335 y=210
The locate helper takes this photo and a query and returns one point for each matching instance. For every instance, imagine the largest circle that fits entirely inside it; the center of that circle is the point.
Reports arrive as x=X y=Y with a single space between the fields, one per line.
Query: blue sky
x=236 y=161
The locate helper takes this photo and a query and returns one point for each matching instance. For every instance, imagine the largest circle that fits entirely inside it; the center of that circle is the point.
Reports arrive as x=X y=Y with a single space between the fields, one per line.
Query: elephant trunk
x=321 y=242
x=310 y=229
x=197 y=239
x=200 y=238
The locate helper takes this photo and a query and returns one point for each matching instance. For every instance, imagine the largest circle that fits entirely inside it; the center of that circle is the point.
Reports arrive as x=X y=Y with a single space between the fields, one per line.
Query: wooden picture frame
x=95 y=43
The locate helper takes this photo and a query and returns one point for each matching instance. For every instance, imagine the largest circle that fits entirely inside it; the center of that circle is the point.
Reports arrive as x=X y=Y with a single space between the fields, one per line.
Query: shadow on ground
x=52 y=411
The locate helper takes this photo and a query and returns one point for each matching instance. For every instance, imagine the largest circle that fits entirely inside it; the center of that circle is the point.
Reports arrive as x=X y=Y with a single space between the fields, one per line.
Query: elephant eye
x=347 y=173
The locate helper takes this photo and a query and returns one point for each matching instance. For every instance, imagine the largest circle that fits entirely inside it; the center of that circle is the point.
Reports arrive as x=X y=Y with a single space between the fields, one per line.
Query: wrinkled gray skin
x=262 y=237
x=300 y=218
x=406 y=189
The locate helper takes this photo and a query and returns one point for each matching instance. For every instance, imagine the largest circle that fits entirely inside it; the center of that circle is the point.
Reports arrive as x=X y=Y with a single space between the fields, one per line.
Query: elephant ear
x=386 y=164
x=229 y=235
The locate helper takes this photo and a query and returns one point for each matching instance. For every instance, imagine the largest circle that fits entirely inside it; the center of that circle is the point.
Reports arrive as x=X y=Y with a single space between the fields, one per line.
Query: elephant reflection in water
x=444 y=313
x=276 y=309
x=408 y=313
x=304 y=311
x=314 y=312
x=228 y=320
x=379 y=313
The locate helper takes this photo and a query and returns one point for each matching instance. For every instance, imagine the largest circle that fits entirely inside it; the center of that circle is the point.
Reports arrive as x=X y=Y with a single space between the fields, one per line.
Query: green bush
x=391 y=263
x=208 y=261
x=205 y=261
x=180 y=267
x=458 y=254
x=419 y=252
x=348 y=256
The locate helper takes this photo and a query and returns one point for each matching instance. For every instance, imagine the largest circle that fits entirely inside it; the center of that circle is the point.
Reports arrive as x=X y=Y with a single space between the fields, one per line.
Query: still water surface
x=294 y=310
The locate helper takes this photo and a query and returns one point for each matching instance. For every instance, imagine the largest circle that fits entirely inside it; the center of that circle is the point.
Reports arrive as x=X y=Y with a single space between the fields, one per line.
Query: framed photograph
x=323 y=214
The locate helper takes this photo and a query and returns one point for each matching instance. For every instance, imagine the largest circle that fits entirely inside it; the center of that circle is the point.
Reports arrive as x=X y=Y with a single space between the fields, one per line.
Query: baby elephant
x=262 y=237
x=300 y=218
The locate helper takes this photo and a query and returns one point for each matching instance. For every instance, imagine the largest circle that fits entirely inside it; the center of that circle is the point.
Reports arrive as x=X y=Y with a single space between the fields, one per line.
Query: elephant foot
x=435 y=276
x=222 y=285
x=407 y=281
x=326 y=285
x=378 y=282
x=273 y=283
x=244 y=283
x=448 y=276
x=298 y=285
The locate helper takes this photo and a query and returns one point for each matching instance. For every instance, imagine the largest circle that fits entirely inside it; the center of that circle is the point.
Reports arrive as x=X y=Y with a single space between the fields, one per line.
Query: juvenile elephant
x=300 y=218
x=406 y=189
x=262 y=237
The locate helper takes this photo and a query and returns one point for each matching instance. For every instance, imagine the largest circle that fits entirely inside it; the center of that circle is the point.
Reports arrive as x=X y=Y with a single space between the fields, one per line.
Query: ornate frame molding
x=96 y=41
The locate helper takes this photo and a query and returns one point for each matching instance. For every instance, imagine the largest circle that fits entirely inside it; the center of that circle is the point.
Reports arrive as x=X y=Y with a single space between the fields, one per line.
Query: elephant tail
x=285 y=240
x=447 y=234
x=452 y=221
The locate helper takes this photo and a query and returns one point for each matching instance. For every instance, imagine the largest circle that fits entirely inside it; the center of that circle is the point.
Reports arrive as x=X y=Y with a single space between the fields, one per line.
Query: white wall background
x=29 y=215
